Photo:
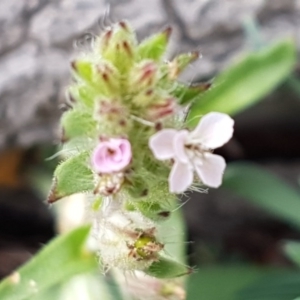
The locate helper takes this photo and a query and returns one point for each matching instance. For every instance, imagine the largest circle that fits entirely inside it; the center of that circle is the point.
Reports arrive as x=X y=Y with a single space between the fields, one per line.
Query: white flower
x=191 y=151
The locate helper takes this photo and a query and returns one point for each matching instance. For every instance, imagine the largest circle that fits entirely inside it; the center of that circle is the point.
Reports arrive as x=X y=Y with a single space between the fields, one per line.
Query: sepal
x=180 y=62
x=167 y=268
x=155 y=46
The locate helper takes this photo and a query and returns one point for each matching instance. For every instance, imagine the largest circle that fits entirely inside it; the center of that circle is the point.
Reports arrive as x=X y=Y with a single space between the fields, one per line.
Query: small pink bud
x=147 y=74
x=124 y=25
x=111 y=155
x=162 y=109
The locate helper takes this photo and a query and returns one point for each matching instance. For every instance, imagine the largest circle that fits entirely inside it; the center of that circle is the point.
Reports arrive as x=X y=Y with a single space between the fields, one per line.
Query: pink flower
x=191 y=151
x=111 y=155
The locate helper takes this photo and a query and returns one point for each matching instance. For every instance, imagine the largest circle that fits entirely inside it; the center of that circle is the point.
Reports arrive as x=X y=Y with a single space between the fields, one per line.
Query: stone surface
x=37 y=37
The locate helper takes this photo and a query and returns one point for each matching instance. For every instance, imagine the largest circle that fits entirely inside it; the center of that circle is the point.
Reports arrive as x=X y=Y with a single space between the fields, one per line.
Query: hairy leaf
x=262 y=188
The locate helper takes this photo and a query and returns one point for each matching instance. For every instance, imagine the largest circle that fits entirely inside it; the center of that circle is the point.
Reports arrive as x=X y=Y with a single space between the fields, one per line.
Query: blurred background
x=230 y=228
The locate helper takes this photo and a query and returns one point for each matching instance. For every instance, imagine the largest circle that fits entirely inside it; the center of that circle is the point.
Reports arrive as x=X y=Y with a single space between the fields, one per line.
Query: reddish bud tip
x=122 y=123
x=74 y=65
x=105 y=76
x=195 y=55
x=147 y=72
x=123 y=25
x=164 y=214
x=63 y=137
x=168 y=32
x=53 y=197
x=149 y=92
x=127 y=48
x=158 y=126
x=107 y=36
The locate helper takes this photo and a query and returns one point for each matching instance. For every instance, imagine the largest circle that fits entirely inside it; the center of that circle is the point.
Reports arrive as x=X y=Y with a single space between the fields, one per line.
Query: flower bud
x=109 y=184
x=127 y=240
x=159 y=110
x=117 y=45
x=111 y=155
x=112 y=116
x=144 y=98
x=143 y=76
x=180 y=62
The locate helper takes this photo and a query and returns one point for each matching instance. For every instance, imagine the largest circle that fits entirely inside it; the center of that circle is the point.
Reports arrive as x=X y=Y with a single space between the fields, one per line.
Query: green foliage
x=264 y=189
x=281 y=286
x=247 y=82
x=63 y=258
x=167 y=268
x=72 y=176
x=229 y=282
x=292 y=249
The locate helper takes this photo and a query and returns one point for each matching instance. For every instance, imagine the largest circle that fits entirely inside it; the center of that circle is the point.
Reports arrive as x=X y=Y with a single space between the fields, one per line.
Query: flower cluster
x=128 y=147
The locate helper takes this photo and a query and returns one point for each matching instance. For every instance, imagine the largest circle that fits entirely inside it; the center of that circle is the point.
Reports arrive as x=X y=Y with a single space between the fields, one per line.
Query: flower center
x=195 y=152
x=111 y=152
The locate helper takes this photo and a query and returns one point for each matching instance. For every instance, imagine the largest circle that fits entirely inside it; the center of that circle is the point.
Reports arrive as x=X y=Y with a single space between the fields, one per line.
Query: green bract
x=167 y=268
x=72 y=176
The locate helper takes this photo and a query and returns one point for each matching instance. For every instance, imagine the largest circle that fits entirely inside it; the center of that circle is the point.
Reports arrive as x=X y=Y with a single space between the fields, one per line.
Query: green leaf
x=49 y=294
x=226 y=282
x=176 y=248
x=264 y=189
x=87 y=286
x=167 y=268
x=247 y=82
x=155 y=46
x=72 y=176
x=292 y=249
x=282 y=286
x=77 y=123
x=63 y=258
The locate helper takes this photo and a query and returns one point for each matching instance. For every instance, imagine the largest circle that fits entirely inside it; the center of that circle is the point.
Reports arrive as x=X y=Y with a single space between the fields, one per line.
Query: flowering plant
x=128 y=146
x=133 y=138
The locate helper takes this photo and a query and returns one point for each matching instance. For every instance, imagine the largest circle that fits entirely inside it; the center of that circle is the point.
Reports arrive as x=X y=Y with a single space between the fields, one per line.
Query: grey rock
x=37 y=36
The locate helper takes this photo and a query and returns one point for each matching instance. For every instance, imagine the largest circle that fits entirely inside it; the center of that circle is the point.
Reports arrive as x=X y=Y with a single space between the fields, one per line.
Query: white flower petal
x=179 y=146
x=210 y=170
x=214 y=130
x=181 y=177
x=161 y=144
